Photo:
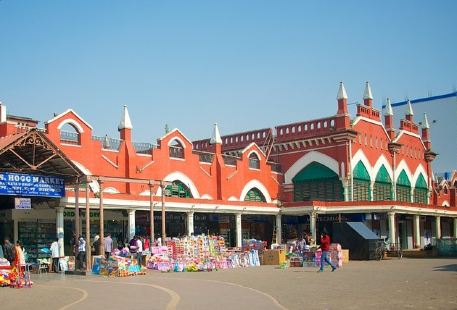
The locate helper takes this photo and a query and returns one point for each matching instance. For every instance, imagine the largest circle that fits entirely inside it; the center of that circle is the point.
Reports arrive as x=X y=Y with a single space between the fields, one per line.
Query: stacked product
x=118 y=266
x=199 y=253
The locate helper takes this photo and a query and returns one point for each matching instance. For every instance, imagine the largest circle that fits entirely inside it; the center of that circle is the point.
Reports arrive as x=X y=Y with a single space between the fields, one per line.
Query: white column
x=345 y=184
x=392 y=233
x=239 y=241
x=371 y=190
x=190 y=223
x=60 y=231
x=312 y=225
x=411 y=197
x=131 y=224
x=416 y=231
x=438 y=227
x=278 y=229
x=455 y=228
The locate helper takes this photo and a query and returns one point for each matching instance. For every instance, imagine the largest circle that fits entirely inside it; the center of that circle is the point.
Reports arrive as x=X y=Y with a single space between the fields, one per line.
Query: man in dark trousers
x=325 y=247
x=9 y=251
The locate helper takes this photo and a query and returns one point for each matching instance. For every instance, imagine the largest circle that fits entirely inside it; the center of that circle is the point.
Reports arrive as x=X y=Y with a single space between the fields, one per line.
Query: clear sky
x=244 y=64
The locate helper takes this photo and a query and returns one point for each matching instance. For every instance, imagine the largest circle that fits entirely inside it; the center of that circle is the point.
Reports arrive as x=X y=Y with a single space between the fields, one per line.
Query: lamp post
x=151 y=212
x=164 y=232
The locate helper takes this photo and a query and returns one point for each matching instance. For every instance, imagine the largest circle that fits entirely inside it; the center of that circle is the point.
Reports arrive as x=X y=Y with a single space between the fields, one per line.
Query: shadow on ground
x=451 y=267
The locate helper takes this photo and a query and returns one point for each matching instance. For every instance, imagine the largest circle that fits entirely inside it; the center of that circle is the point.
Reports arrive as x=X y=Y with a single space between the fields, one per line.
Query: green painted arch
x=254 y=194
x=361 y=172
x=383 y=176
x=178 y=189
x=314 y=171
x=421 y=183
x=403 y=179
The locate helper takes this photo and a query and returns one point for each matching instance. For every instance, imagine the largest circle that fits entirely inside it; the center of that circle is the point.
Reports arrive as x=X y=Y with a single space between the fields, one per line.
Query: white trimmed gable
x=66 y=112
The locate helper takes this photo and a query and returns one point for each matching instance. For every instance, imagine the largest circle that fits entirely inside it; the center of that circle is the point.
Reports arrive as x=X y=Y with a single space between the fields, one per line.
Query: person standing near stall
x=108 y=246
x=81 y=254
x=8 y=251
x=55 y=255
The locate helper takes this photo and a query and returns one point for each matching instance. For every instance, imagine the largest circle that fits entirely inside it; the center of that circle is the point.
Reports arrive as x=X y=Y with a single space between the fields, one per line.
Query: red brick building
x=301 y=176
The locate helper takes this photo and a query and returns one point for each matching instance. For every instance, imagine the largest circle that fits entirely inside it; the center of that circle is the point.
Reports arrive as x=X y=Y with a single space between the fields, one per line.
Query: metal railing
x=176 y=152
x=69 y=137
x=204 y=157
x=143 y=148
x=230 y=160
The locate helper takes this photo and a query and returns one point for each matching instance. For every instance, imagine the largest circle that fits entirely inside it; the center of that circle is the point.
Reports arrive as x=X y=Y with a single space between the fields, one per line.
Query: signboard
x=31 y=185
x=22 y=203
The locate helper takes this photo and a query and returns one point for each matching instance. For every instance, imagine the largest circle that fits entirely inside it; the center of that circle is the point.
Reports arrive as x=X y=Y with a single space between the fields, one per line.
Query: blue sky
x=244 y=64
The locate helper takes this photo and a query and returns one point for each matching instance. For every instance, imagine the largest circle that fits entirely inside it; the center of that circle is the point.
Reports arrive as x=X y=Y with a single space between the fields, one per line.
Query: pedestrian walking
x=325 y=247
x=81 y=254
x=9 y=251
x=108 y=246
x=55 y=255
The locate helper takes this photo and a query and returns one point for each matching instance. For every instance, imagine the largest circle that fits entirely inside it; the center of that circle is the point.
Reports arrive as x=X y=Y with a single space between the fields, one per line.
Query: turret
x=425 y=133
x=367 y=95
x=409 y=112
x=216 y=139
x=342 y=100
x=388 y=120
x=125 y=126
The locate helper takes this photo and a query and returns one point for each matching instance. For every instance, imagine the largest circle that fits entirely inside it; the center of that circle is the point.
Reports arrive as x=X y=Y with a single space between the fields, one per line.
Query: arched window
x=420 y=190
x=178 y=189
x=254 y=195
x=361 y=183
x=176 y=149
x=403 y=187
x=317 y=182
x=70 y=135
x=383 y=185
x=254 y=161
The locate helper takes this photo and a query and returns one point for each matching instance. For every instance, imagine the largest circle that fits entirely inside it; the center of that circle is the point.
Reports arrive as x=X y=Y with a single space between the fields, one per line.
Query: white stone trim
x=360 y=156
x=72 y=122
x=420 y=169
x=256 y=153
x=402 y=132
x=445 y=203
x=206 y=196
x=402 y=165
x=68 y=111
x=177 y=139
x=111 y=190
x=382 y=161
x=253 y=144
x=232 y=198
x=176 y=130
x=308 y=158
x=257 y=184
x=177 y=175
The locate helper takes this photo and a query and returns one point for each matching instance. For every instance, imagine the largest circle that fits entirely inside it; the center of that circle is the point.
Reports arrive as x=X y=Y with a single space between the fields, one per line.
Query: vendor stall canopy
x=33 y=153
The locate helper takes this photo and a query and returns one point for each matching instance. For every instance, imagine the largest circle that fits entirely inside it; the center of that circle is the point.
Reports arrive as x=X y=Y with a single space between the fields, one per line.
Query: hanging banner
x=31 y=185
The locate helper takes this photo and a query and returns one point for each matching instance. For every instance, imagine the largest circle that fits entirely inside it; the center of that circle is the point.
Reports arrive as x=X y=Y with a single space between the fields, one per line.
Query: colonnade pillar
x=438 y=227
x=312 y=225
x=392 y=232
x=131 y=224
x=190 y=223
x=59 y=229
x=278 y=229
x=416 y=231
x=239 y=241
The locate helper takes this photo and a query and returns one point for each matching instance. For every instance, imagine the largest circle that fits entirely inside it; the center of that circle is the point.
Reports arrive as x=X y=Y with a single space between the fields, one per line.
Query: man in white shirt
x=55 y=255
x=139 y=252
x=81 y=259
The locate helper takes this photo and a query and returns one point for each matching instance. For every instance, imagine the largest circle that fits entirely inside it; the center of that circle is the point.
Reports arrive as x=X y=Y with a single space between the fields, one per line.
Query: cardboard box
x=345 y=256
x=274 y=257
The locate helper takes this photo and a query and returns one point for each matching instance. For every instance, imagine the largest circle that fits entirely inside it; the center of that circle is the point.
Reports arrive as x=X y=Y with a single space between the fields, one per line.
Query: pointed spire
x=425 y=124
x=409 y=108
x=125 y=123
x=342 y=92
x=216 y=137
x=388 y=111
x=367 y=93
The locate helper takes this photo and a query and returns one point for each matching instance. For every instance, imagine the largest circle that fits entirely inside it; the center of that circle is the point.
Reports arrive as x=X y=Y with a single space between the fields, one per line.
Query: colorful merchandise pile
x=117 y=266
x=12 y=276
x=336 y=255
x=254 y=244
x=199 y=253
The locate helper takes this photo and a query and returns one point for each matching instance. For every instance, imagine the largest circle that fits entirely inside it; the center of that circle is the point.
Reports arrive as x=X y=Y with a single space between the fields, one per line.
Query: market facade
x=270 y=184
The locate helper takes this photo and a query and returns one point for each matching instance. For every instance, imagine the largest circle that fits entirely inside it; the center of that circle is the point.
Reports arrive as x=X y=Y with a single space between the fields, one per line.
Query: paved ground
x=389 y=284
